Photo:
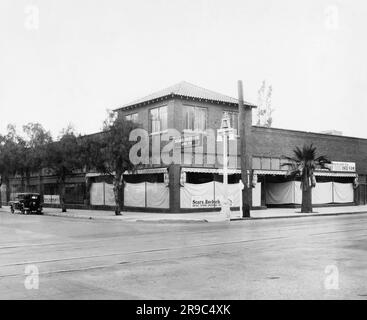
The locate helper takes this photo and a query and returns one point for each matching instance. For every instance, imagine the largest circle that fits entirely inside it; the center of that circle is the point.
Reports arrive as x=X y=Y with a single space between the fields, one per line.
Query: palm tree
x=303 y=165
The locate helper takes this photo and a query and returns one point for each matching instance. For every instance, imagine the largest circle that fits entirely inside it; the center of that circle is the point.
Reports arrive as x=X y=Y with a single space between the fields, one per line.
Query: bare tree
x=264 y=116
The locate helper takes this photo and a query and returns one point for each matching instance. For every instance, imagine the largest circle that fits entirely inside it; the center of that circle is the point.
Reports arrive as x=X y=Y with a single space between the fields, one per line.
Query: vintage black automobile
x=27 y=203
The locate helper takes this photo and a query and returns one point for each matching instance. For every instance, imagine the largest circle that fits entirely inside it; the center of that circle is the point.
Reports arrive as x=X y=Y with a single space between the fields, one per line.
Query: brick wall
x=267 y=142
x=143 y=112
x=271 y=142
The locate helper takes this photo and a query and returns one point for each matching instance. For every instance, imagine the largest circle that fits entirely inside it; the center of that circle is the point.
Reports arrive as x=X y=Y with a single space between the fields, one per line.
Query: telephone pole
x=245 y=133
x=1 y=182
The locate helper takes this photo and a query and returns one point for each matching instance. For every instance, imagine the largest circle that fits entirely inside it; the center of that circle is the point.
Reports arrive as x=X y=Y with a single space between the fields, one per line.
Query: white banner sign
x=343 y=166
x=51 y=199
x=188 y=140
x=199 y=202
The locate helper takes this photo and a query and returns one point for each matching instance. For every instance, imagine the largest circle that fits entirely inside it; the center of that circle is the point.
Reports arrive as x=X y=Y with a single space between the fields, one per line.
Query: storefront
x=145 y=189
x=195 y=181
x=203 y=188
x=331 y=188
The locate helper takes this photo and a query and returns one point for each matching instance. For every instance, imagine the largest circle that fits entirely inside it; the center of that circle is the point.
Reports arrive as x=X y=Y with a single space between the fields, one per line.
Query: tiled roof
x=186 y=90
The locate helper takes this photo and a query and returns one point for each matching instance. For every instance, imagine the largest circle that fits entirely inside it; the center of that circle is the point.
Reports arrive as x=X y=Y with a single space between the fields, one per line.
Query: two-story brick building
x=197 y=185
x=184 y=119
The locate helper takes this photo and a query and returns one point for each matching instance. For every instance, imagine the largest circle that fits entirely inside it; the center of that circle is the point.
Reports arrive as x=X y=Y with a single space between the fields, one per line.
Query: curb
x=199 y=220
x=301 y=216
x=77 y=217
x=172 y=221
x=122 y=218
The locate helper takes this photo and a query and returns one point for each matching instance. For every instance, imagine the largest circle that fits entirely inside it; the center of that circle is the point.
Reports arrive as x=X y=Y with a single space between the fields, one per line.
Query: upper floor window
x=132 y=117
x=158 y=119
x=233 y=118
x=195 y=118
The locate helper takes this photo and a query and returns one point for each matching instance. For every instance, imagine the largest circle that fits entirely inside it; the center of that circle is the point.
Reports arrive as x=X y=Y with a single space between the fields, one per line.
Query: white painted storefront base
x=142 y=195
x=324 y=193
x=210 y=195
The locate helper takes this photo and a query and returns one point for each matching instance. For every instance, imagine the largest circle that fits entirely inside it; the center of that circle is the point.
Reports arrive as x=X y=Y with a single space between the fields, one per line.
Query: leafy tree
x=108 y=153
x=63 y=158
x=11 y=156
x=34 y=146
x=36 y=136
x=21 y=155
x=303 y=164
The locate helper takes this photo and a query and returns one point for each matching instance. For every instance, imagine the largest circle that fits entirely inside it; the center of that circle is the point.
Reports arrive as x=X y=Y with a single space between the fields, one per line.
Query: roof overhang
x=182 y=97
x=210 y=170
x=139 y=171
x=147 y=171
x=317 y=173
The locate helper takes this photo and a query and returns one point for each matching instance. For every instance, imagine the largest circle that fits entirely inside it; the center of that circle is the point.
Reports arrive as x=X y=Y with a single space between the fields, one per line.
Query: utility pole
x=1 y=182
x=245 y=128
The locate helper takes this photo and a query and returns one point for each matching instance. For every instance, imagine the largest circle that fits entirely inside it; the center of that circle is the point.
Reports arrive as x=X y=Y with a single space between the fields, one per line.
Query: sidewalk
x=199 y=216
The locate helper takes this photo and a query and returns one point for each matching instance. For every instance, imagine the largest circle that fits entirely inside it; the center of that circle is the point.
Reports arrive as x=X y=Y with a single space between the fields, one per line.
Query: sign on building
x=342 y=166
x=200 y=202
x=51 y=199
x=189 y=140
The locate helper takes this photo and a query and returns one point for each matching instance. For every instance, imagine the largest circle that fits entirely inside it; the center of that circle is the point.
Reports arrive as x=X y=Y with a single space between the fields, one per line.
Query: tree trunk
x=88 y=184
x=7 y=184
x=1 y=200
x=306 y=196
x=22 y=183
x=40 y=186
x=118 y=192
x=27 y=182
x=62 y=196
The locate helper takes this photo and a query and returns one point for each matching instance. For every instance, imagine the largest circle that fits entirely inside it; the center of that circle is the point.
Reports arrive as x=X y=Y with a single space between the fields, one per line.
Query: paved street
x=96 y=259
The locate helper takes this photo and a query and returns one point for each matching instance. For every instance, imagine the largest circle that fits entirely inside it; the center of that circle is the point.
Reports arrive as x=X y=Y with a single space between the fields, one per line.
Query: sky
x=67 y=62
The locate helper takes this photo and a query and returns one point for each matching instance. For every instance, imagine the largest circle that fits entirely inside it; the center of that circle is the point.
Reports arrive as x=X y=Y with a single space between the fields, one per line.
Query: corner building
x=194 y=183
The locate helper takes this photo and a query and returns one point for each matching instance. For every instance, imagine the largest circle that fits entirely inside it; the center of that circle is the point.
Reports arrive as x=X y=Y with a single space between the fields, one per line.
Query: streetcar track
x=105 y=266
x=137 y=261
x=187 y=232
x=337 y=231
x=139 y=252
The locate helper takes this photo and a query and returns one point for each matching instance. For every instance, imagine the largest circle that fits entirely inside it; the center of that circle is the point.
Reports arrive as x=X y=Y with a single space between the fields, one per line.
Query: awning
x=92 y=174
x=139 y=171
x=271 y=172
x=317 y=173
x=336 y=174
x=147 y=171
x=209 y=170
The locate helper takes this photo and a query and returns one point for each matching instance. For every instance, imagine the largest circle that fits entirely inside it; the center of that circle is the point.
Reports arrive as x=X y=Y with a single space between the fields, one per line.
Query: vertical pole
x=145 y=193
x=225 y=163
x=104 y=194
x=245 y=127
x=1 y=182
x=174 y=172
x=225 y=177
x=214 y=189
